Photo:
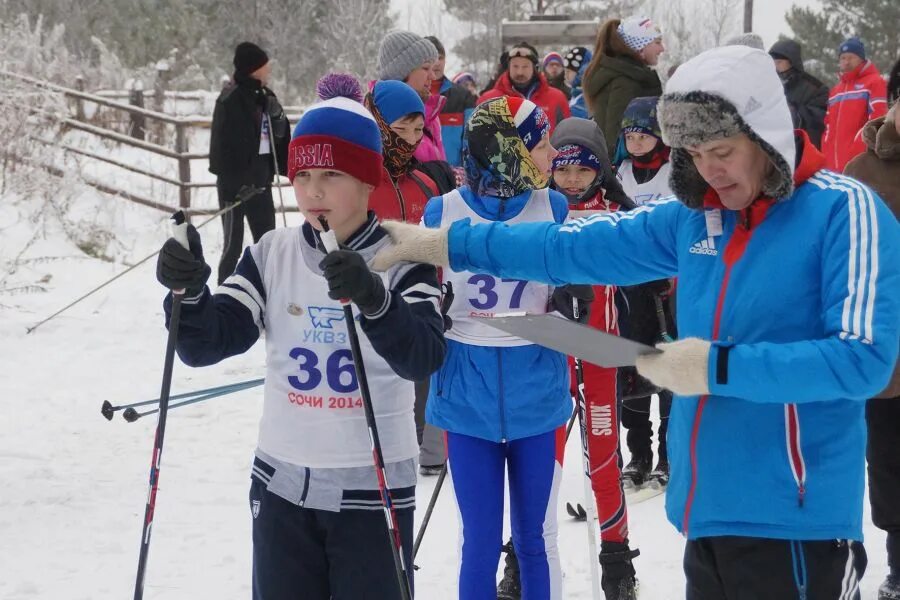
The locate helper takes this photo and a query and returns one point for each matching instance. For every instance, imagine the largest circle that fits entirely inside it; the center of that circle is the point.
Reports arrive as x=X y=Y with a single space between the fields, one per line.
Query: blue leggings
x=534 y=465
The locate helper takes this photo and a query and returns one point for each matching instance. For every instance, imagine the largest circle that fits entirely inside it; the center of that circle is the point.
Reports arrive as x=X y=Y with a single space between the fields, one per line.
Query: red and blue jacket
x=859 y=97
x=552 y=101
x=798 y=299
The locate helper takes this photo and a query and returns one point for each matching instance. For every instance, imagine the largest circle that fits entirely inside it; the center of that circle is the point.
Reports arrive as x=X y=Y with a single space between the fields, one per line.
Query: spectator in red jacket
x=522 y=79
x=859 y=97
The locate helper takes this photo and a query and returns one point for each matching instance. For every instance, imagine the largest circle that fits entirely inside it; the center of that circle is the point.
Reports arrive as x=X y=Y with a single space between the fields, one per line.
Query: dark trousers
x=883 y=456
x=636 y=419
x=744 y=568
x=432 y=449
x=304 y=554
x=259 y=211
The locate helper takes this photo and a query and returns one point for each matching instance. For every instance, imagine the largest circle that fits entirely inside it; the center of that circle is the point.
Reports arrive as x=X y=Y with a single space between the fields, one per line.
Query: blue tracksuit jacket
x=802 y=301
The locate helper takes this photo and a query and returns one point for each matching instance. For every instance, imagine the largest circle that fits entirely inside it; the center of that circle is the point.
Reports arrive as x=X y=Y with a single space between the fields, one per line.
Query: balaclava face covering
x=496 y=158
x=397 y=152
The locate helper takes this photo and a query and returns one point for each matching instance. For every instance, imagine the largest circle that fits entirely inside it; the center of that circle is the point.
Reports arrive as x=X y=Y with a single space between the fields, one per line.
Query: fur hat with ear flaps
x=718 y=94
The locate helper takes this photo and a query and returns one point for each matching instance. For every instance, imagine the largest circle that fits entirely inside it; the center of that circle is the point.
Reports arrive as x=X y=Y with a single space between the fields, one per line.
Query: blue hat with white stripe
x=340 y=134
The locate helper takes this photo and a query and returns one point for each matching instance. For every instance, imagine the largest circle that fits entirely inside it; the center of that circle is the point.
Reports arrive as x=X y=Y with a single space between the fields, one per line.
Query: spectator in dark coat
x=879 y=167
x=807 y=96
x=894 y=83
x=621 y=70
x=241 y=150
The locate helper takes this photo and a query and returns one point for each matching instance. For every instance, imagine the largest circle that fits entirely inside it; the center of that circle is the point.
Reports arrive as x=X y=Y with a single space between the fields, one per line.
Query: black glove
x=562 y=301
x=276 y=113
x=179 y=268
x=349 y=277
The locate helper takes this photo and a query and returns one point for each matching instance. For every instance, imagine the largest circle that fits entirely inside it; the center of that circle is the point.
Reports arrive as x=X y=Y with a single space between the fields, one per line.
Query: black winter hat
x=248 y=57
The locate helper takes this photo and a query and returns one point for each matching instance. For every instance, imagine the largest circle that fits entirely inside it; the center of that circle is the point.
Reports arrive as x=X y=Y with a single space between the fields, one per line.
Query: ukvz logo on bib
x=323 y=317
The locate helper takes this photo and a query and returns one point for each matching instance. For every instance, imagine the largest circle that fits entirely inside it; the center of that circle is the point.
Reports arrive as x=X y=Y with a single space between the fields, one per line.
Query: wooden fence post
x=137 y=122
x=79 y=103
x=184 y=166
x=160 y=85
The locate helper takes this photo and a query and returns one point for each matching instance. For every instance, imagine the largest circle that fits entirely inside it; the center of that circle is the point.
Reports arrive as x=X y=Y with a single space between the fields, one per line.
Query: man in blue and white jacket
x=789 y=317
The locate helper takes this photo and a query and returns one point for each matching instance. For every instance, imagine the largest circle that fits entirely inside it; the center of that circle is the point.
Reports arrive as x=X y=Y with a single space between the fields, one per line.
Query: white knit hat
x=638 y=32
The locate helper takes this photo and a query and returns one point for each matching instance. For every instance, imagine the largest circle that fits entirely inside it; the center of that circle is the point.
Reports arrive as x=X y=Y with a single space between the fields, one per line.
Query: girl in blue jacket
x=502 y=400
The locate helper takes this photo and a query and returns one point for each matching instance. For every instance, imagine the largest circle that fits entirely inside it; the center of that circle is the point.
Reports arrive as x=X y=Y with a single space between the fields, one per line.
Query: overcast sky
x=417 y=15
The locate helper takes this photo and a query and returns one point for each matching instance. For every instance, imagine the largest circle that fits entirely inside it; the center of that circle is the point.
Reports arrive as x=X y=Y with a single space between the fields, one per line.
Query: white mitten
x=682 y=367
x=413 y=243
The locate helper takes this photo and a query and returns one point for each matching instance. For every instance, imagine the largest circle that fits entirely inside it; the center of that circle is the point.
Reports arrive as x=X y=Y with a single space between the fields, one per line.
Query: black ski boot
x=510 y=587
x=890 y=588
x=617 y=580
x=659 y=477
x=636 y=472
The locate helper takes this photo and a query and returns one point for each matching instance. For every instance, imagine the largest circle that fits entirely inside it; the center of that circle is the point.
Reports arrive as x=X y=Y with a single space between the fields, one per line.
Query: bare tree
x=692 y=26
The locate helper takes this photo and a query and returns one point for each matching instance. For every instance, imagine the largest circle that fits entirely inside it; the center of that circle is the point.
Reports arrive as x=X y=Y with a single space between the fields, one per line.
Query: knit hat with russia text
x=337 y=133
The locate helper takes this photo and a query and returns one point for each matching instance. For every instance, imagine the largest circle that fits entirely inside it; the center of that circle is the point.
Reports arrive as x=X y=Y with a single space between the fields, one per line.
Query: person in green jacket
x=621 y=70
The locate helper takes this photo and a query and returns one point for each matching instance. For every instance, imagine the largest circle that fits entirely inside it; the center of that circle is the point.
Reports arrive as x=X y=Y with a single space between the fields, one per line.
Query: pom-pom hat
x=340 y=134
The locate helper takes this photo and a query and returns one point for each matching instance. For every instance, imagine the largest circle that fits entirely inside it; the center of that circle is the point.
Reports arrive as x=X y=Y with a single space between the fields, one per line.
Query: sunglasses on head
x=521 y=53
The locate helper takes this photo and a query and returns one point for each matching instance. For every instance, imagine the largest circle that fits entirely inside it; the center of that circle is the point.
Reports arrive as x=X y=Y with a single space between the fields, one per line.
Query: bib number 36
x=340 y=374
x=488 y=292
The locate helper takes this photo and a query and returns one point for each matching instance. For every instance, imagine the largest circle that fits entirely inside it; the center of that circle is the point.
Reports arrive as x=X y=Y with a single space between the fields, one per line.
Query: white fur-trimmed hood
x=720 y=93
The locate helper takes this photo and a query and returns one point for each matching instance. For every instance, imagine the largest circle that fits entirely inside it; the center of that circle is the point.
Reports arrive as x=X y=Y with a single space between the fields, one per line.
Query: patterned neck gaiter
x=397 y=152
x=497 y=163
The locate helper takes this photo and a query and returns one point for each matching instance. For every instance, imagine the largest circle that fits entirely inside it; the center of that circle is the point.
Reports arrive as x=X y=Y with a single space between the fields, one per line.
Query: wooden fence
x=140 y=121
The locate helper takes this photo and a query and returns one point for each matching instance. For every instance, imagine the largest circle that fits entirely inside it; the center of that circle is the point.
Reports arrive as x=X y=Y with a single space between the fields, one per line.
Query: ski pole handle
x=179 y=232
x=329 y=240
x=179 y=229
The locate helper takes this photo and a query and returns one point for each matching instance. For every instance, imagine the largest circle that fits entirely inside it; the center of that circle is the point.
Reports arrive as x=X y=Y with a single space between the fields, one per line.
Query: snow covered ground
x=73 y=486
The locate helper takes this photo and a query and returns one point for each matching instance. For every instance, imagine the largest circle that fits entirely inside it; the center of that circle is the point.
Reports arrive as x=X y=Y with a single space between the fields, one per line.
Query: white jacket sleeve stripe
x=862 y=267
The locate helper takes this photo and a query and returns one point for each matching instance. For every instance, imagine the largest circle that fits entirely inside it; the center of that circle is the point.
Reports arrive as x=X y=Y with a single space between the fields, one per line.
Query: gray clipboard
x=569 y=337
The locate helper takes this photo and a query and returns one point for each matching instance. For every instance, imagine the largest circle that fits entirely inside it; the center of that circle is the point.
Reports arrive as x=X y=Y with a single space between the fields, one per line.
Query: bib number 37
x=489 y=290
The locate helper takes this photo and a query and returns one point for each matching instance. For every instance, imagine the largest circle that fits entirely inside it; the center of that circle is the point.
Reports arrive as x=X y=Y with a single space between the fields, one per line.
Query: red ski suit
x=858 y=97
x=602 y=412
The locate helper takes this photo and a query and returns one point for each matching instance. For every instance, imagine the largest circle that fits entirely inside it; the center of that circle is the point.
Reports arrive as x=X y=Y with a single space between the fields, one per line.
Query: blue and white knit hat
x=576 y=154
x=638 y=32
x=337 y=133
x=530 y=120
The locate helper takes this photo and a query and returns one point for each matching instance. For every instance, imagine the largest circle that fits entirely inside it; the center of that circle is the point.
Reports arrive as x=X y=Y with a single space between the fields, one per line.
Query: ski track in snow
x=74 y=485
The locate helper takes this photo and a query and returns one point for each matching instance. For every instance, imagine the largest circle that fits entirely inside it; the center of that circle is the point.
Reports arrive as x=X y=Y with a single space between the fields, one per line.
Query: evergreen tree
x=820 y=33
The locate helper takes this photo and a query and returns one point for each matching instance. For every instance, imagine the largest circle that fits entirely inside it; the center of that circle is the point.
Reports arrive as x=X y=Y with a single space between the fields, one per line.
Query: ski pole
x=108 y=410
x=586 y=461
x=390 y=515
x=245 y=193
x=275 y=161
x=429 y=510
x=180 y=234
x=131 y=415
x=661 y=317
x=571 y=421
